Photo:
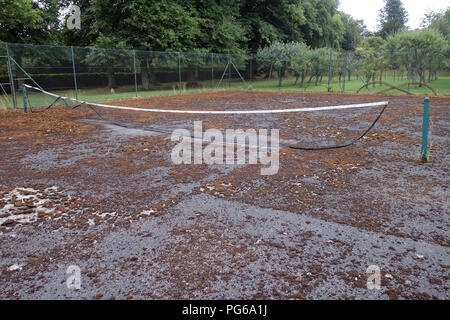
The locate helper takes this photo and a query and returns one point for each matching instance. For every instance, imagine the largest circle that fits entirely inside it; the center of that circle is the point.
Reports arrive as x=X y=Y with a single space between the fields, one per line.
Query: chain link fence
x=94 y=74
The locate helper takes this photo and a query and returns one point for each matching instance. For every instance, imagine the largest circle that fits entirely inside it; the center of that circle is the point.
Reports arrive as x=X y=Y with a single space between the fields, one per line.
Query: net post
x=24 y=96
x=74 y=73
x=135 y=76
x=425 y=125
x=10 y=76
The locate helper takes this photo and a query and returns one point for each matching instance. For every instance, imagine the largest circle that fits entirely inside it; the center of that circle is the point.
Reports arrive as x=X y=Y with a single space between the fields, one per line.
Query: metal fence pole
x=212 y=70
x=24 y=95
x=74 y=73
x=425 y=125
x=345 y=71
x=251 y=67
x=229 y=72
x=179 y=70
x=330 y=66
x=135 y=74
x=10 y=76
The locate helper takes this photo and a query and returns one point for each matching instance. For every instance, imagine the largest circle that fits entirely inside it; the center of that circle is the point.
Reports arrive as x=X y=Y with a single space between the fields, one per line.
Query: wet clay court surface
x=78 y=190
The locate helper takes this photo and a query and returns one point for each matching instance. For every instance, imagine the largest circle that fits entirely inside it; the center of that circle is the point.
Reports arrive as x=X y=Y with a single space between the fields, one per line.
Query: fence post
x=229 y=72
x=212 y=70
x=345 y=72
x=179 y=70
x=425 y=125
x=251 y=67
x=24 y=94
x=135 y=74
x=330 y=66
x=74 y=73
x=10 y=76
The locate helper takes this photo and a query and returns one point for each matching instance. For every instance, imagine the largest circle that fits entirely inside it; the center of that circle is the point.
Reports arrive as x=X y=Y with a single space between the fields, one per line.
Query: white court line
x=349 y=106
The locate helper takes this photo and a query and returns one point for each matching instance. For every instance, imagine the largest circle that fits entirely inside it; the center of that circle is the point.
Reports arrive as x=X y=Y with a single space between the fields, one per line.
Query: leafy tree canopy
x=392 y=18
x=439 y=21
x=28 y=21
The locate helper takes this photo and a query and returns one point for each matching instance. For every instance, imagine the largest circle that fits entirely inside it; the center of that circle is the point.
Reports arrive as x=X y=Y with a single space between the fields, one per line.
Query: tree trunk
x=270 y=71
x=281 y=74
x=192 y=74
x=381 y=73
x=422 y=77
x=145 y=77
x=297 y=76
x=111 y=78
x=302 y=84
x=414 y=81
x=368 y=83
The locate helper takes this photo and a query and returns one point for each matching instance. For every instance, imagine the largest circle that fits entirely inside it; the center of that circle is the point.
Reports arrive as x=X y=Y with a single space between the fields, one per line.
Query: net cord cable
x=91 y=105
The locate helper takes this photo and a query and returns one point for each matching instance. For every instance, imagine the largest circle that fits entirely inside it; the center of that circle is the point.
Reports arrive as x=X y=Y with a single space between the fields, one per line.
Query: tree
x=279 y=57
x=219 y=30
x=373 y=43
x=167 y=26
x=299 y=64
x=108 y=59
x=439 y=21
x=419 y=51
x=164 y=25
x=369 y=63
x=323 y=26
x=315 y=22
x=268 y=21
x=220 y=25
x=392 y=18
x=319 y=60
x=353 y=30
x=29 y=21
x=160 y=25
x=89 y=31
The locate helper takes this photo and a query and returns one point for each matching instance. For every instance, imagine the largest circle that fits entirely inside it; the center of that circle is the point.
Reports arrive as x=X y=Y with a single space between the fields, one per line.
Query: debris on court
x=201 y=231
x=16 y=267
x=28 y=204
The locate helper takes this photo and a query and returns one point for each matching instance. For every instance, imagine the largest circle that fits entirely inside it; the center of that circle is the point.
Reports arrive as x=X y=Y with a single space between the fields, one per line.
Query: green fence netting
x=94 y=74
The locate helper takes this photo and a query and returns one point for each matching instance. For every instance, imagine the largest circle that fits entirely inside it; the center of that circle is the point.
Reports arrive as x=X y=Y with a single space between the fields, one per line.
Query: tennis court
x=97 y=188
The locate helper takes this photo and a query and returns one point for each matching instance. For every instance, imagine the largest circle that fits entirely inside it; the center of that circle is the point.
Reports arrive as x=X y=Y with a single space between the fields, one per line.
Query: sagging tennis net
x=40 y=100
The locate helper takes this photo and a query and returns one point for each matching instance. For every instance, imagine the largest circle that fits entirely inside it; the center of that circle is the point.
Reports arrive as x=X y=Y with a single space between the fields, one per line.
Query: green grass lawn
x=442 y=87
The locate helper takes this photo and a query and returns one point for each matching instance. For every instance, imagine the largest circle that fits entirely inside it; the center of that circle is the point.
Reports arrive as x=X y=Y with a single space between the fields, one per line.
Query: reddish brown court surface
x=76 y=190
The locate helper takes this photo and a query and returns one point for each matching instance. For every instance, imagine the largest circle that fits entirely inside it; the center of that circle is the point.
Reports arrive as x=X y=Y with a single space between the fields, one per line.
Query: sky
x=368 y=10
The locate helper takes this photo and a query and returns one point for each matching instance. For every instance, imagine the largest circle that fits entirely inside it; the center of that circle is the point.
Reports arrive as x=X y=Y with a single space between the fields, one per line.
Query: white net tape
x=350 y=106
